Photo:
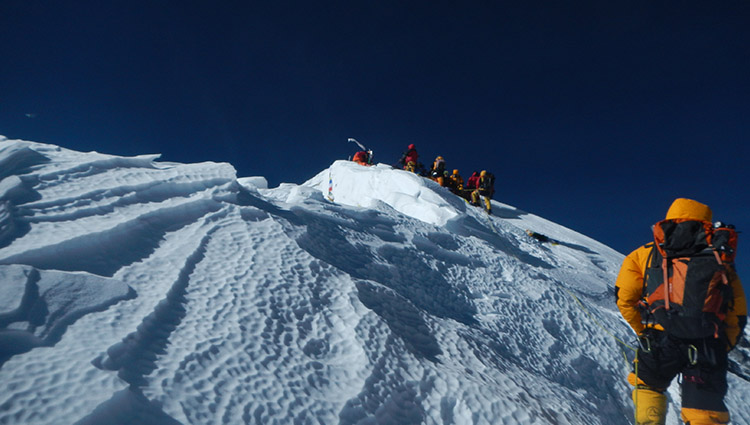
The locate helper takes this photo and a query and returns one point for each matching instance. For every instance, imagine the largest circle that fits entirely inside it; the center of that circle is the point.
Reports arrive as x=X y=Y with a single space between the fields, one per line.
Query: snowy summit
x=134 y=291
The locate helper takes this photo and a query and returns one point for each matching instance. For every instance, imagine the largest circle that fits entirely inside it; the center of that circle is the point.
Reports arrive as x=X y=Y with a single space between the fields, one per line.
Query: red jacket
x=473 y=180
x=411 y=156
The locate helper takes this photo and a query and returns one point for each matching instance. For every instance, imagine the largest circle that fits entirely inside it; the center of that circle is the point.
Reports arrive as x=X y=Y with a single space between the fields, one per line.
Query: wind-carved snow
x=37 y=306
x=406 y=192
x=180 y=294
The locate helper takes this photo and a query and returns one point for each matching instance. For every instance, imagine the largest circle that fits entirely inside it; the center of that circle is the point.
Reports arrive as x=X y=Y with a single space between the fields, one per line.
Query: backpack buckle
x=692 y=355
x=642 y=305
x=645 y=343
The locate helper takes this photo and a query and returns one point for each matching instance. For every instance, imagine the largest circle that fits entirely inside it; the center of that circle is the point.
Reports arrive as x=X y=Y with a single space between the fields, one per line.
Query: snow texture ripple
x=134 y=291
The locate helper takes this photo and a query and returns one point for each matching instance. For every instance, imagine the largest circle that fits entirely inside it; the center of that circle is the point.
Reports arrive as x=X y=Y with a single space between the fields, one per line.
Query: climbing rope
x=620 y=341
x=597 y=322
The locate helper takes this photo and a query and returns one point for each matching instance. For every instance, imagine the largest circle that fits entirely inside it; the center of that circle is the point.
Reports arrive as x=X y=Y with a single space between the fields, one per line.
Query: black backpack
x=488 y=183
x=686 y=287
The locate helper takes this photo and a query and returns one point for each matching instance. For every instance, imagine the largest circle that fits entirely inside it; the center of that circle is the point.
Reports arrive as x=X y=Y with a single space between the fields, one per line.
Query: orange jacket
x=629 y=284
x=361 y=158
x=456 y=182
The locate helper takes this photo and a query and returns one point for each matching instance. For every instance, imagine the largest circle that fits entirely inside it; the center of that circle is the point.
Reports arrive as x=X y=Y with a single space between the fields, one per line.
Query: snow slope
x=134 y=291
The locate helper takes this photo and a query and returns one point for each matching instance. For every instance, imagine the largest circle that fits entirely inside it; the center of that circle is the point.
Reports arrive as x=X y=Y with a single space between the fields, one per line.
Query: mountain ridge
x=395 y=303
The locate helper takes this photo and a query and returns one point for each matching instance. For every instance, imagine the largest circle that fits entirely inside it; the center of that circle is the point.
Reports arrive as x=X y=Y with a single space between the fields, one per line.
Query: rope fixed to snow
x=492 y=225
x=597 y=322
x=620 y=341
x=600 y=325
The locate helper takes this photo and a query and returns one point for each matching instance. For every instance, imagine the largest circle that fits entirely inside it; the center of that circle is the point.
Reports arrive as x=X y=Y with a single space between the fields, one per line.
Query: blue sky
x=595 y=115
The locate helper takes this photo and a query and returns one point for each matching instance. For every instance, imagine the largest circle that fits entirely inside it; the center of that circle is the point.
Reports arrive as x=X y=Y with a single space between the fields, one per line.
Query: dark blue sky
x=594 y=115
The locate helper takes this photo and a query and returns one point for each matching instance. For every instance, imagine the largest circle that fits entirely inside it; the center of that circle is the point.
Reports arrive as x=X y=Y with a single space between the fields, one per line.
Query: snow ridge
x=135 y=291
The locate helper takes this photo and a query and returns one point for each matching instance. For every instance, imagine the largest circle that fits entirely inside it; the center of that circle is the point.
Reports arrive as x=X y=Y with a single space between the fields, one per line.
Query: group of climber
x=479 y=185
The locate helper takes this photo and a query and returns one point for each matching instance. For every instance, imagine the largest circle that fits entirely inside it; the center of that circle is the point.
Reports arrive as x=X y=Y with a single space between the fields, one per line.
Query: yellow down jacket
x=629 y=284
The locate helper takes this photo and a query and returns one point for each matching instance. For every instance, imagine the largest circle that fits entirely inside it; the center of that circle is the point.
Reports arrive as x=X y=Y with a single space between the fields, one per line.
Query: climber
x=456 y=183
x=472 y=182
x=409 y=159
x=437 y=172
x=485 y=187
x=362 y=158
x=687 y=329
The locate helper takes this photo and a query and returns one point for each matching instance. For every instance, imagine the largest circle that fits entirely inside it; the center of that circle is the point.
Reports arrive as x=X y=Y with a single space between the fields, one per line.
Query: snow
x=405 y=192
x=139 y=291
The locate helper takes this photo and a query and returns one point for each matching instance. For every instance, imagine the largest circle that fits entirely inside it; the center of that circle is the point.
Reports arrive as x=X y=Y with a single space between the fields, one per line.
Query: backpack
x=686 y=287
x=490 y=181
x=438 y=168
x=487 y=184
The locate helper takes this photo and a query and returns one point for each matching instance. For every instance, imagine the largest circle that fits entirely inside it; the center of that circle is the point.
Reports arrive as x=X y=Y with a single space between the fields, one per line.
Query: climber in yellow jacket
x=662 y=355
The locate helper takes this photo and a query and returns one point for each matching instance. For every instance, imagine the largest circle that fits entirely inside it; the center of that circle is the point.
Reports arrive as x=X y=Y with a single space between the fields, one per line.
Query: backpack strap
x=652 y=259
x=668 y=289
x=724 y=277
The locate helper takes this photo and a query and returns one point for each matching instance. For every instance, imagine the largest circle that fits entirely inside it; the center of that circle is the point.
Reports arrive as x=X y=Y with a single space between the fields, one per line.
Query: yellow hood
x=689 y=209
